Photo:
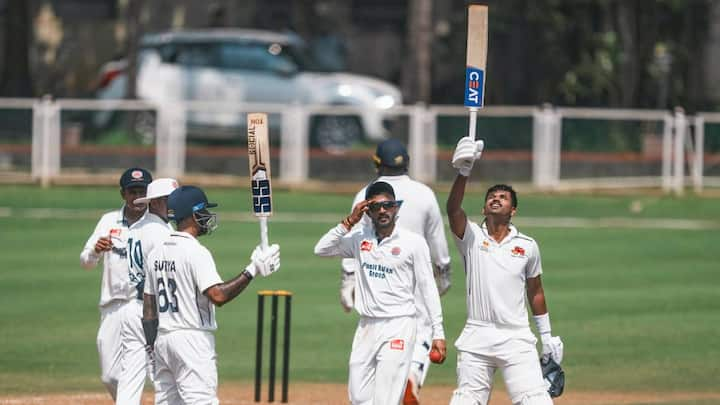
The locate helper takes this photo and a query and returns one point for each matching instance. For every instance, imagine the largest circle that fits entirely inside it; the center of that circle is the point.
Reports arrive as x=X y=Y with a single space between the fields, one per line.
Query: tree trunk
x=416 y=78
x=626 y=23
x=16 y=76
x=134 y=32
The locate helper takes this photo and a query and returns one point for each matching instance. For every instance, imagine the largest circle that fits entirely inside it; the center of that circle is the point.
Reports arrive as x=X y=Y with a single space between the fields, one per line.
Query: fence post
x=698 y=159
x=668 y=124
x=547 y=132
x=678 y=183
x=170 y=143
x=294 y=141
x=45 y=140
x=421 y=148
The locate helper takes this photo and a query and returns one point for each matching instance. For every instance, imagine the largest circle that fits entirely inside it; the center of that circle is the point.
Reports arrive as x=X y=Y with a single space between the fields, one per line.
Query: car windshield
x=236 y=55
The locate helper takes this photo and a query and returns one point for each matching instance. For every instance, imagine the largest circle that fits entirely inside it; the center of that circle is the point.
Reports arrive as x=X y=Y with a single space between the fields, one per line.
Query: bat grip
x=472 y=128
x=263 y=234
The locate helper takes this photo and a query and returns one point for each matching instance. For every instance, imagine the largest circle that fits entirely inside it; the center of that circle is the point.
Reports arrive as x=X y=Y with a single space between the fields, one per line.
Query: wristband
x=347 y=223
x=542 y=322
x=249 y=271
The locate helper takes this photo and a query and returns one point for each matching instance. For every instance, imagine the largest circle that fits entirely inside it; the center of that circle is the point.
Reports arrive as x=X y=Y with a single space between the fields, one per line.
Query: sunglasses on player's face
x=375 y=206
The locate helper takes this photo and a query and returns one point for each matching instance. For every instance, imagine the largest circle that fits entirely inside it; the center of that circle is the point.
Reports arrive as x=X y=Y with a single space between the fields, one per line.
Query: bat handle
x=472 y=128
x=263 y=233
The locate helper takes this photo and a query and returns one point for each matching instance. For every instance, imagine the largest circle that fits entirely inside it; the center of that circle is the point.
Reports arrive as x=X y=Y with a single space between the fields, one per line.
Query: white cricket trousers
x=109 y=344
x=185 y=368
x=380 y=360
x=135 y=360
x=517 y=358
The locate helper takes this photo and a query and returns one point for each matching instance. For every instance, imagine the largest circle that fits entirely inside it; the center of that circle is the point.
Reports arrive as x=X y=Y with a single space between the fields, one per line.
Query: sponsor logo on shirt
x=518 y=252
x=397 y=344
x=377 y=270
x=395 y=251
x=115 y=232
x=485 y=246
x=365 y=246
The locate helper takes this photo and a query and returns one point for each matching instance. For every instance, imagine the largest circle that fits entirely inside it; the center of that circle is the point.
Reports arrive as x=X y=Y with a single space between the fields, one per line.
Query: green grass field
x=637 y=308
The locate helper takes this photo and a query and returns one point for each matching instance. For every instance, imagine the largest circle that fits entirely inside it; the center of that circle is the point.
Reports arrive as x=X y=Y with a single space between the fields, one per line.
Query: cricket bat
x=477 y=42
x=259 y=161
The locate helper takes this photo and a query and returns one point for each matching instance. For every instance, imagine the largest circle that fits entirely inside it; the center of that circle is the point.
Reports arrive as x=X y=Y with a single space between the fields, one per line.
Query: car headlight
x=384 y=102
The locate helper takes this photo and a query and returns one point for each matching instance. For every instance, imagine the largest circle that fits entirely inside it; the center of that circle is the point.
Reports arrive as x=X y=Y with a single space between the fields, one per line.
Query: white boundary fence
x=682 y=140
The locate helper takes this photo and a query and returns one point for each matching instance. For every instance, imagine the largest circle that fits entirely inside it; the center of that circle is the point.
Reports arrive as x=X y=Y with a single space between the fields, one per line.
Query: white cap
x=158 y=188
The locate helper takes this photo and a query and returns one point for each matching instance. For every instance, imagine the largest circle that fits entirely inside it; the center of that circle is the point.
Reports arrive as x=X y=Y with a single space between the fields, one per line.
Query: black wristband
x=247 y=274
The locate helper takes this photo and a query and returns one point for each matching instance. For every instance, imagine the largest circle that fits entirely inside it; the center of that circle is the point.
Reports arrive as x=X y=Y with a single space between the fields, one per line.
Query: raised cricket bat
x=477 y=42
x=259 y=161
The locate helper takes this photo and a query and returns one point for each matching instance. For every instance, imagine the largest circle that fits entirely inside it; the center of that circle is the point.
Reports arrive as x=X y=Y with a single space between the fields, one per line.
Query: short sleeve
x=205 y=272
x=533 y=268
x=468 y=239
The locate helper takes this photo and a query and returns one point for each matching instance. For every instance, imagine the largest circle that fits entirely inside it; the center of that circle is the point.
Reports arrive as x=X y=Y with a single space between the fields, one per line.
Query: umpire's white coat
x=385 y=298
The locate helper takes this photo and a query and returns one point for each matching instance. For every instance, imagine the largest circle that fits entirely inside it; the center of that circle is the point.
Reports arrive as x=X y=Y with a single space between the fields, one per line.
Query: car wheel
x=336 y=134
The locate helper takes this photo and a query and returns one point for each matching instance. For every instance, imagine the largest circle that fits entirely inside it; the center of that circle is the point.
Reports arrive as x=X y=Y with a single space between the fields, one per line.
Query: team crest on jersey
x=397 y=344
x=518 y=252
x=365 y=246
x=395 y=251
x=485 y=246
x=115 y=232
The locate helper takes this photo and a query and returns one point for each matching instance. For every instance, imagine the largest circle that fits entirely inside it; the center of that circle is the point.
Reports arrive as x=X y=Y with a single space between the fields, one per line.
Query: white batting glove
x=264 y=262
x=347 y=291
x=552 y=347
x=466 y=153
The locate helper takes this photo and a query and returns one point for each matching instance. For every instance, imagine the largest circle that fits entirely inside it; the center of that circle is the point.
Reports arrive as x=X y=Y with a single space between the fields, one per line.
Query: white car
x=251 y=66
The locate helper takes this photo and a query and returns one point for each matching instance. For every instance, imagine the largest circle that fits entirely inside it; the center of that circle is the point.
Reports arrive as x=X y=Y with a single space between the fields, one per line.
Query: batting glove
x=264 y=262
x=552 y=347
x=466 y=153
x=347 y=291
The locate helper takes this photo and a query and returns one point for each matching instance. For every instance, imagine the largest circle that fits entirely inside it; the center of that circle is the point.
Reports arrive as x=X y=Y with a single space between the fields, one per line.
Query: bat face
x=259 y=161
x=476 y=56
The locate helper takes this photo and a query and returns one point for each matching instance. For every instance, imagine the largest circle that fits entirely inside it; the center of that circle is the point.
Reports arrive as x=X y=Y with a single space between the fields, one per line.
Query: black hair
x=379 y=187
x=503 y=187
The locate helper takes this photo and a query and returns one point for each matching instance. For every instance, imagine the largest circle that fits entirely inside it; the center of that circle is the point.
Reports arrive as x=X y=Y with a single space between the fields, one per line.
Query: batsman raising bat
x=503 y=272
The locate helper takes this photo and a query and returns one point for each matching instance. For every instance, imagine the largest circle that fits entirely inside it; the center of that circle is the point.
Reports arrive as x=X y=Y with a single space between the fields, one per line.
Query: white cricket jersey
x=115 y=284
x=496 y=275
x=178 y=271
x=419 y=213
x=146 y=234
x=389 y=272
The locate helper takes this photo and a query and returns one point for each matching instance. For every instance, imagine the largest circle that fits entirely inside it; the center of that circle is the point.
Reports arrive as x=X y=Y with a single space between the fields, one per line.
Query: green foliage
x=636 y=308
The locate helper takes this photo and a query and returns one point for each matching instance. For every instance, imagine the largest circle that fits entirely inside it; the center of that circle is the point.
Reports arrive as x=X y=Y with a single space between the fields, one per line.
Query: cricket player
x=420 y=213
x=503 y=269
x=391 y=262
x=182 y=288
x=108 y=242
x=146 y=234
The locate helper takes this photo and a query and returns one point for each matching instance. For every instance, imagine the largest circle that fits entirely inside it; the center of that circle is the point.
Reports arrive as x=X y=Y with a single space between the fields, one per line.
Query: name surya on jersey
x=164 y=265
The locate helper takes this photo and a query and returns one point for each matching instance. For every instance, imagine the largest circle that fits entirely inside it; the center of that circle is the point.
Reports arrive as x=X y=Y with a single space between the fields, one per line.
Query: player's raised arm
x=331 y=243
x=466 y=153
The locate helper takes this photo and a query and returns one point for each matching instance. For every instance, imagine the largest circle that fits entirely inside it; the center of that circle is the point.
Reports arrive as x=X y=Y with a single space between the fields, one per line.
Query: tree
x=16 y=62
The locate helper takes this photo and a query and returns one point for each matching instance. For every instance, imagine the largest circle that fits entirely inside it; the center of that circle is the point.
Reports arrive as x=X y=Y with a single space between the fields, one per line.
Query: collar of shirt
x=399 y=177
x=510 y=236
x=182 y=235
x=394 y=235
